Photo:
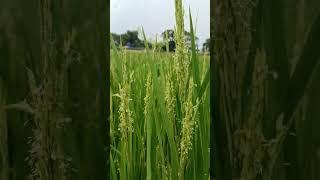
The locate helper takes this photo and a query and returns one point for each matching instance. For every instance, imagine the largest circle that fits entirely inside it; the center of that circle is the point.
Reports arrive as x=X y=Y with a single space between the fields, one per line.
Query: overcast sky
x=157 y=15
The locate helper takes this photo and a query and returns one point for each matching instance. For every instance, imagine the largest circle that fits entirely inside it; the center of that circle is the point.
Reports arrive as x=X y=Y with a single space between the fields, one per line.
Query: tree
x=188 y=38
x=132 y=38
x=206 y=45
x=169 y=34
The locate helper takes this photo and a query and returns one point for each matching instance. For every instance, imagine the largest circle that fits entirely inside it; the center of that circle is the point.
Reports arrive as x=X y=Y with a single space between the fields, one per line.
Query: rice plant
x=266 y=64
x=159 y=115
x=45 y=36
x=44 y=103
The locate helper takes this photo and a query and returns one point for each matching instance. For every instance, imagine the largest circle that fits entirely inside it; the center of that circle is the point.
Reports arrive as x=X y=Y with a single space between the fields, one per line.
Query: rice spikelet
x=170 y=99
x=181 y=54
x=188 y=128
x=148 y=120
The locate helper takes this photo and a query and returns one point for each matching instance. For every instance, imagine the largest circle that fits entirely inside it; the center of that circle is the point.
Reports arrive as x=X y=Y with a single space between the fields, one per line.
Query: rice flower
x=181 y=54
x=170 y=99
x=126 y=120
x=147 y=99
x=188 y=128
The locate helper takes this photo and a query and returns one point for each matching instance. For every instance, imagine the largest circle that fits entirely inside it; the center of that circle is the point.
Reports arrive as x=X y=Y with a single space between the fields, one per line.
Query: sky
x=157 y=15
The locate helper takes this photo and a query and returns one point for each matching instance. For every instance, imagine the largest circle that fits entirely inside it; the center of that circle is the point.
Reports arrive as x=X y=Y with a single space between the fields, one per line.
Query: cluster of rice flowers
x=126 y=120
x=125 y=125
x=181 y=55
x=170 y=98
x=147 y=99
x=163 y=101
x=182 y=71
x=188 y=129
x=164 y=123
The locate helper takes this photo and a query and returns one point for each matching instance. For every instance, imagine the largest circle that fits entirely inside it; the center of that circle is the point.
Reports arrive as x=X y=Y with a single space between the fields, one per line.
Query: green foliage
x=160 y=118
x=206 y=46
x=130 y=38
x=156 y=128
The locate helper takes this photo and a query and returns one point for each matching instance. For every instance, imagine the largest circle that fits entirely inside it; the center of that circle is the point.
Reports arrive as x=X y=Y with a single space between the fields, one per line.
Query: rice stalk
x=148 y=120
x=125 y=118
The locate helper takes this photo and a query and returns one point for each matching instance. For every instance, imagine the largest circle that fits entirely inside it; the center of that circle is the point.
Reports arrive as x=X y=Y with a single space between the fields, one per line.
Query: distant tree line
x=131 y=39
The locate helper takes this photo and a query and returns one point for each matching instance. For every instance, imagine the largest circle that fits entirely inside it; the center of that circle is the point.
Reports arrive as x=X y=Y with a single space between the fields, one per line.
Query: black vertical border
x=108 y=142
x=212 y=174
x=211 y=94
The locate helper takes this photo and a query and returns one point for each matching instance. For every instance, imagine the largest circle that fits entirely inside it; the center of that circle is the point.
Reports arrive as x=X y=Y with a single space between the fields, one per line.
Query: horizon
x=131 y=16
